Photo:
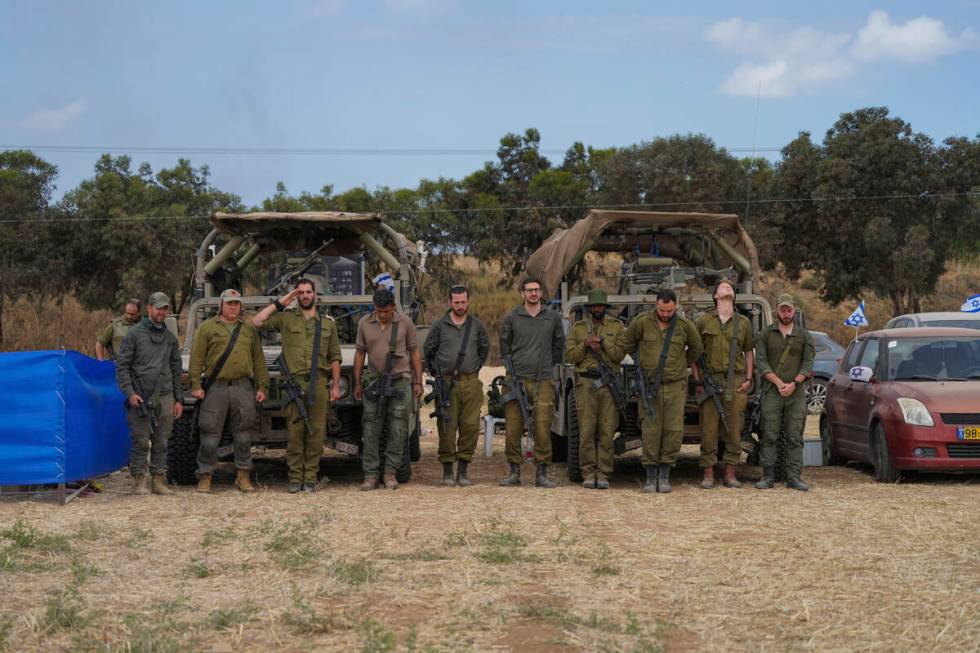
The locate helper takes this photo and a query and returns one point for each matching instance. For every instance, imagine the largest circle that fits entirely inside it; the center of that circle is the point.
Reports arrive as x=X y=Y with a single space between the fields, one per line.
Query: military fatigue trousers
x=226 y=406
x=711 y=425
x=542 y=396
x=664 y=434
x=783 y=417
x=465 y=402
x=304 y=450
x=598 y=418
x=143 y=444
x=394 y=424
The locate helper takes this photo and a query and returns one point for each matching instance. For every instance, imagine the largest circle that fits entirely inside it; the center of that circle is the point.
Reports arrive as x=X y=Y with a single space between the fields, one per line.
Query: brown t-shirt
x=374 y=339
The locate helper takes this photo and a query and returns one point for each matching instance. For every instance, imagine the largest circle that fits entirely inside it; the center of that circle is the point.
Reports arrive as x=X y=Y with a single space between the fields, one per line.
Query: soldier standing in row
x=306 y=335
x=149 y=358
x=389 y=341
x=108 y=343
x=727 y=338
x=590 y=342
x=228 y=377
x=785 y=361
x=664 y=344
x=531 y=336
x=456 y=348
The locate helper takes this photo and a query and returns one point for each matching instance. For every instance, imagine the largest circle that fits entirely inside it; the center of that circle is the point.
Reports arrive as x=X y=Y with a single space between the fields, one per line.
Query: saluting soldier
x=151 y=354
x=727 y=338
x=666 y=344
x=785 y=361
x=456 y=348
x=227 y=356
x=306 y=334
x=593 y=340
x=532 y=337
x=108 y=342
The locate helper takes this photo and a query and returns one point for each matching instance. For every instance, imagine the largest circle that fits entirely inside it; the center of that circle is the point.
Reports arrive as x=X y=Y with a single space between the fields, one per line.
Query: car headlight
x=915 y=412
x=344 y=386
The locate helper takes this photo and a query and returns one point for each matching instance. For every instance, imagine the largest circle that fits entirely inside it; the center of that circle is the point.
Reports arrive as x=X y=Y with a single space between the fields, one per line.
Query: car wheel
x=816 y=395
x=827 y=445
x=885 y=471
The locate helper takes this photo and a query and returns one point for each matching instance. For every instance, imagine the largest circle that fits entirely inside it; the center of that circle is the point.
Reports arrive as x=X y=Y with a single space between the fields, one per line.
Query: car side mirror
x=861 y=373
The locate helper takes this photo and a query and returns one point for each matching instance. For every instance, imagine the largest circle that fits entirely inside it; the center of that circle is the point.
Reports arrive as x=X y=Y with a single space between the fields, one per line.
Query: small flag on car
x=857 y=318
x=971 y=305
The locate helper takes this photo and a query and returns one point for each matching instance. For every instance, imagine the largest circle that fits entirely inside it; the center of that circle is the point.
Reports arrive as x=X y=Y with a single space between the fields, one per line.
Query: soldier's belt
x=245 y=381
x=589 y=374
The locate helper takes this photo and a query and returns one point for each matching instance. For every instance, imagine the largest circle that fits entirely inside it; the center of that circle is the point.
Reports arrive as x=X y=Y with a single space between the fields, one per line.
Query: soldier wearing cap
x=108 y=343
x=303 y=331
x=592 y=340
x=785 y=356
x=238 y=379
x=150 y=352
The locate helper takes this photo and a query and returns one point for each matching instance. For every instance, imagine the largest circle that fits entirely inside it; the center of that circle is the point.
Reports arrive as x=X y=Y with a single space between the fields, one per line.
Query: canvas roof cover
x=565 y=247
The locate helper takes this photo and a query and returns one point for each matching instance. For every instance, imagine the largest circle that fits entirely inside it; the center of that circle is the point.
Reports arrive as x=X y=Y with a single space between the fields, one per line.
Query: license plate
x=968 y=432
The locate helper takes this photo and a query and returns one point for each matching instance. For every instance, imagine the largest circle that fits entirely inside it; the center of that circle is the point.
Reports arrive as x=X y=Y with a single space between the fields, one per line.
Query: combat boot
x=447 y=475
x=663 y=478
x=651 y=484
x=391 y=483
x=160 y=485
x=243 y=482
x=589 y=483
x=370 y=483
x=541 y=479
x=204 y=483
x=730 y=480
x=768 y=478
x=797 y=484
x=708 y=481
x=461 y=479
x=602 y=484
x=514 y=478
x=139 y=484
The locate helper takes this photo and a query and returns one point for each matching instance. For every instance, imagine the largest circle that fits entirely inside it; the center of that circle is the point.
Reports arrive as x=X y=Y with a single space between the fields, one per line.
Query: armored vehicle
x=337 y=251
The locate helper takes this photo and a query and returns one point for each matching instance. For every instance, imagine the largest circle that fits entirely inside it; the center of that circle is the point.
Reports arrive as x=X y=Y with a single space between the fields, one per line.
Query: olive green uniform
x=598 y=416
x=466 y=390
x=788 y=357
x=717 y=339
x=112 y=336
x=535 y=344
x=664 y=434
x=303 y=449
x=229 y=403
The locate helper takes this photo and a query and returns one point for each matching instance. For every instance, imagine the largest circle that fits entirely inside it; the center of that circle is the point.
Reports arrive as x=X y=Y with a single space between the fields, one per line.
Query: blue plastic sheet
x=63 y=418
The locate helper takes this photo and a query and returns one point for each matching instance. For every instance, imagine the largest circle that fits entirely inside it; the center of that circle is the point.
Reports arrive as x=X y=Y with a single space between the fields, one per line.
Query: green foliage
x=198 y=568
x=377 y=638
x=223 y=618
x=65 y=610
x=292 y=545
x=355 y=572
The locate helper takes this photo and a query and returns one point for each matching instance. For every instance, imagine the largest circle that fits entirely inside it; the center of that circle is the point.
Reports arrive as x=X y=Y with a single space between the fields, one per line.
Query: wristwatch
x=278 y=304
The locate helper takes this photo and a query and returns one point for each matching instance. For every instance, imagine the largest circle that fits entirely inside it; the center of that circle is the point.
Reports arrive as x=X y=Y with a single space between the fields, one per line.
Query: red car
x=906 y=399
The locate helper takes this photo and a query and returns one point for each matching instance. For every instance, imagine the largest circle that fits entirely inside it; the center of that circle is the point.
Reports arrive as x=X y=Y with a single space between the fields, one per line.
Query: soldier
x=727 y=338
x=149 y=358
x=227 y=354
x=108 y=342
x=305 y=334
x=389 y=341
x=666 y=344
x=531 y=336
x=456 y=349
x=592 y=340
x=785 y=361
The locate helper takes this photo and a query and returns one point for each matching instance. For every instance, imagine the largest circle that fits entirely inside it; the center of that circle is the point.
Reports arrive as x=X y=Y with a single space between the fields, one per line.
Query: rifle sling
x=209 y=381
x=392 y=345
x=462 y=347
x=658 y=377
x=314 y=362
x=731 y=357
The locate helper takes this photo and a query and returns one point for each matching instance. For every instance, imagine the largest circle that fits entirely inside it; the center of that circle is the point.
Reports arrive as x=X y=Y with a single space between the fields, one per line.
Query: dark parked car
x=906 y=399
x=825 y=364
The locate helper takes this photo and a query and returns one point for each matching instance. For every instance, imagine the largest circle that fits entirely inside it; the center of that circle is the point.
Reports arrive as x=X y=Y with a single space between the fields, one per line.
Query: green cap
x=159 y=300
x=785 y=299
x=231 y=295
x=597 y=297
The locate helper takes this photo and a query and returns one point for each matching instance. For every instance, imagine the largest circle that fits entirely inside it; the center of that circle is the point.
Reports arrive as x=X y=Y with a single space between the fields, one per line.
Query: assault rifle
x=440 y=394
x=518 y=393
x=145 y=408
x=294 y=393
x=712 y=391
x=609 y=379
x=641 y=392
x=381 y=389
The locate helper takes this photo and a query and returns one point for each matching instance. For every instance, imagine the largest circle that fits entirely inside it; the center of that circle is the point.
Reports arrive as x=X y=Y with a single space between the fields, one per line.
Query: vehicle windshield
x=933 y=359
x=962 y=324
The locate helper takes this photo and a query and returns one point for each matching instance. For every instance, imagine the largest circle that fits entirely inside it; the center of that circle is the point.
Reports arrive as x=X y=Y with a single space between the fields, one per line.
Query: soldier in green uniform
x=240 y=382
x=592 y=339
x=108 y=342
x=724 y=332
x=645 y=337
x=785 y=355
x=532 y=337
x=385 y=333
x=151 y=354
x=457 y=346
x=299 y=330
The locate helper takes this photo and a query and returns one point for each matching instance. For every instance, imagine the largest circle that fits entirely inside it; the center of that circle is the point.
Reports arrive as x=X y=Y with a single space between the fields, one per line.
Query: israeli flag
x=857 y=318
x=384 y=280
x=972 y=305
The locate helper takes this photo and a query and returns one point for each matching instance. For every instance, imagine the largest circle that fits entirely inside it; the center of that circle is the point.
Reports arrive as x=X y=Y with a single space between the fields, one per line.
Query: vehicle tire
x=828 y=447
x=571 y=438
x=816 y=395
x=885 y=471
x=182 y=450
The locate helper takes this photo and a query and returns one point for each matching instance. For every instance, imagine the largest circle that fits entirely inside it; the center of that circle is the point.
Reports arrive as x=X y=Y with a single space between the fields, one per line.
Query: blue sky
x=429 y=74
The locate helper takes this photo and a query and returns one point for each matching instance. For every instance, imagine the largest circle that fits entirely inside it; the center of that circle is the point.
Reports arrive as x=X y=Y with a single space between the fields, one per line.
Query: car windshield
x=962 y=324
x=933 y=359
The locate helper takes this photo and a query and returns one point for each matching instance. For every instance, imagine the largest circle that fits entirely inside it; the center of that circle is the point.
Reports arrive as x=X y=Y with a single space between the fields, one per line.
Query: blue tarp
x=62 y=418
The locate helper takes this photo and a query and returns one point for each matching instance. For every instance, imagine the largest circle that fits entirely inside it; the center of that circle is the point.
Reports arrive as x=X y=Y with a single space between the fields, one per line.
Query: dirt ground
x=851 y=566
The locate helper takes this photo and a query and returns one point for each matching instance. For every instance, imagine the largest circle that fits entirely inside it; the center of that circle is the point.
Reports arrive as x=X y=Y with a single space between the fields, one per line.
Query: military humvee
x=336 y=251
x=687 y=252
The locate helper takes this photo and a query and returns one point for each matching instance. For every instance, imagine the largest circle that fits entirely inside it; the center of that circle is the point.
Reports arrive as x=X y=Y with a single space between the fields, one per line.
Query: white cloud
x=917 y=40
x=50 y=121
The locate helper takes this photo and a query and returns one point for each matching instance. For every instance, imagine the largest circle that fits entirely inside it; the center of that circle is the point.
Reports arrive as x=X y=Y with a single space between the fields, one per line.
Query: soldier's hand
x=334 y=392
x=198 y=394
x=178 y=409
x=358 y=392
x=744 y=386
x=289 y=297
x=593 y=342
x=135 y=400
x=259 y=396
x=417 y=390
